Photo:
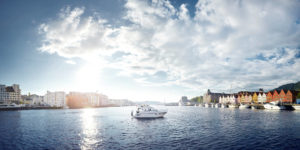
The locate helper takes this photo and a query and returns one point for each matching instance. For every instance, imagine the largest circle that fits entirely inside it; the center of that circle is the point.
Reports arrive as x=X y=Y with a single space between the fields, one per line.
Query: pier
x=28 y=108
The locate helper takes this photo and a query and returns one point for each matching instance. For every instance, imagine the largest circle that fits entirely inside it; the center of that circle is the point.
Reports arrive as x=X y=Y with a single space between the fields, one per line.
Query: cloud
x=225 y=45
x=70 y=62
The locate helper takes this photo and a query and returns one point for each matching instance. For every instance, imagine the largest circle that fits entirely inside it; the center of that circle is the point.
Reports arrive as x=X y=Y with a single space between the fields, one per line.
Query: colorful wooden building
x=276 y=96
x=269 y=97
x=262 y=97
x=255 y=98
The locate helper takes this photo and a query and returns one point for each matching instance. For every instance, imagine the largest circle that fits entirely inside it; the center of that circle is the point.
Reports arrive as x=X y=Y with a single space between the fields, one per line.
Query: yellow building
x=243 y=98
x=255 y=98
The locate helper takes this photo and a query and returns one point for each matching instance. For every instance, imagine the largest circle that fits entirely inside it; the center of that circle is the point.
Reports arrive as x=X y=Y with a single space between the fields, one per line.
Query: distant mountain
x=290 y=86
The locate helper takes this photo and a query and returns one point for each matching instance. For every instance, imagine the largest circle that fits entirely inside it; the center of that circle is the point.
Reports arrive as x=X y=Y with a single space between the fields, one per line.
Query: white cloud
x=70 y=62
x=218 y=48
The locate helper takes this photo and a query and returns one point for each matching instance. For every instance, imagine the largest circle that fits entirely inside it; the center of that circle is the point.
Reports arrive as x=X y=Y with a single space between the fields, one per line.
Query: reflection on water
x=89 y=128
x=181 y=128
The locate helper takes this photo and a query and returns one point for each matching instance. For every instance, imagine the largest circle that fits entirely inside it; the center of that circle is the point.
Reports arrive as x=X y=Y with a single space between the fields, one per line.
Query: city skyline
x=149 y=50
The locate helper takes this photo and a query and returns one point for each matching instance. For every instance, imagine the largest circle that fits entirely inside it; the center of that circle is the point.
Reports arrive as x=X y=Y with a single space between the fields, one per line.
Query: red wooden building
x=276 y=96
x=269 y=96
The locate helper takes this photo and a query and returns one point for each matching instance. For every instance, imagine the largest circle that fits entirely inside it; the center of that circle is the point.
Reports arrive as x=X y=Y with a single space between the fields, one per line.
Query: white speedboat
x=274 y=106
x=13 y=105
x=223 y=106
x=243 y=106
x=206 y=105
x=233 y=106
x=296 y=107
x=216 y=105
x=146 y=111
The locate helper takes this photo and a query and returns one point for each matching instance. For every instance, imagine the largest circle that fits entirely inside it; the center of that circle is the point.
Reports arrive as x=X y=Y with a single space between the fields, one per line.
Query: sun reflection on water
x=89 y=129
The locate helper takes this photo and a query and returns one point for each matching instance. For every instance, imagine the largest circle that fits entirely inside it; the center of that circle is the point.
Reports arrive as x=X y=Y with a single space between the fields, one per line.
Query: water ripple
x=182 y=128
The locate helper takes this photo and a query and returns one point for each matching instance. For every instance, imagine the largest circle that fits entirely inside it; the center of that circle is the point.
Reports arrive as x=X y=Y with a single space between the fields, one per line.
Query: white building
x=104 y=100
x=93 y=99
x=55 y=99
x=10 y=94
x=262 y=98
x=232 y=99
x=33 y=99
x=96 y=99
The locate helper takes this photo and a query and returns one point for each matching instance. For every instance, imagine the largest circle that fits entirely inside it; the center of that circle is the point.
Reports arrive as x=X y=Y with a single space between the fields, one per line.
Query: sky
x=154 y=50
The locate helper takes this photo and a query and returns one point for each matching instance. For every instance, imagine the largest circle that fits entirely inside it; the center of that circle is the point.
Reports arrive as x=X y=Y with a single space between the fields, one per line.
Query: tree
x=197 y=99
x=298 y=95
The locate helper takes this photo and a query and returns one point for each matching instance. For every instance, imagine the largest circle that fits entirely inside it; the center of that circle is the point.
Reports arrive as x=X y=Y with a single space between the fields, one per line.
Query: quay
x=261 y=106
x=28 y=108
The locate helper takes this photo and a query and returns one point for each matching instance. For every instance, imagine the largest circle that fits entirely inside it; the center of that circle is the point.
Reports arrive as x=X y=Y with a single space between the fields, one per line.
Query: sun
x=88 y=78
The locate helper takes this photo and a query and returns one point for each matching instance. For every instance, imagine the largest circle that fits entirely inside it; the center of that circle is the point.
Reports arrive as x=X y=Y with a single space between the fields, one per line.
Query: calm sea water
x=182 y=128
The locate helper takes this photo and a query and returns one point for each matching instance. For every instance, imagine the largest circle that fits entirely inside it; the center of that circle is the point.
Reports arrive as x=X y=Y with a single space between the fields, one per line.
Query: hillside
x=290 y=86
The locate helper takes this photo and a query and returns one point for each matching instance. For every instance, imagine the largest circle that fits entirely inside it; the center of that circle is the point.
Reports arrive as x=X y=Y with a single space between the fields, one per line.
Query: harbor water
x=181 y=128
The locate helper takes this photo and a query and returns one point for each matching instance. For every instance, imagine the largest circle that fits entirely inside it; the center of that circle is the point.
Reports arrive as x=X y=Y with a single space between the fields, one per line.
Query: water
x=182 y=128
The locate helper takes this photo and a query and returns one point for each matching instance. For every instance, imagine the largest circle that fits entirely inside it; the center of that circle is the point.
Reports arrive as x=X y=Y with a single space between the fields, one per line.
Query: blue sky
x=149 y=50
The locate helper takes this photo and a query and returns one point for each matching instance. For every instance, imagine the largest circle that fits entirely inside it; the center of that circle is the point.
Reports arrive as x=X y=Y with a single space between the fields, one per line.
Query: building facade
x=33 y=99
x=210 y=97
x=183 y=101
x=10 y=94
x=55 y=99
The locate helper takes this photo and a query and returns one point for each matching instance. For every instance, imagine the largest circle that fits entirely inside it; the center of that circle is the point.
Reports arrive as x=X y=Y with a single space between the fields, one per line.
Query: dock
x=28 y=108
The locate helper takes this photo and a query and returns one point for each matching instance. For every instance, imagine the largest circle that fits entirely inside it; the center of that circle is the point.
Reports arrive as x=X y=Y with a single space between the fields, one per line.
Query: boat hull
x=233 y=106
x=149 y=115
x=296 y=107
x=273 y=107
x=223 y=106
x=243 y=106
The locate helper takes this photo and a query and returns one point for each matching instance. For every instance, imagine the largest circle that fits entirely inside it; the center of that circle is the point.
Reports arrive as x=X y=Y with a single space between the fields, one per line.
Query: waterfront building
x=276 y=96
x=10 y=94
x=255 y=98
x=232 y=99
x=239 y=98
x=89 y=99
x=249 y=98
x=225 y=98
x=264 y=97
x=282 y=96
x=242 y=98
x=210 y=97
x=269 y=97
x=221 y=99
x=228 y=98
x=33 y=99
x=261 y=98
x=246 y=98
x=104 y=100
x=37 y=99
x=290 y=96
x=183 y=101
x=93 y=99
x=55 y=99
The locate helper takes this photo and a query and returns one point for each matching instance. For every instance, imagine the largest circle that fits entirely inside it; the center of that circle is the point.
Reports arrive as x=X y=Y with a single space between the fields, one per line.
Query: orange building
x=239 y=98
x=276 y=96
x=282 y=96
x=269 y=97
x=290 y=96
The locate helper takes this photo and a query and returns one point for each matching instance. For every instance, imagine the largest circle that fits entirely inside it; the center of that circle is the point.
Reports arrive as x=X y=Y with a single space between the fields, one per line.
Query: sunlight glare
x=88 y=77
